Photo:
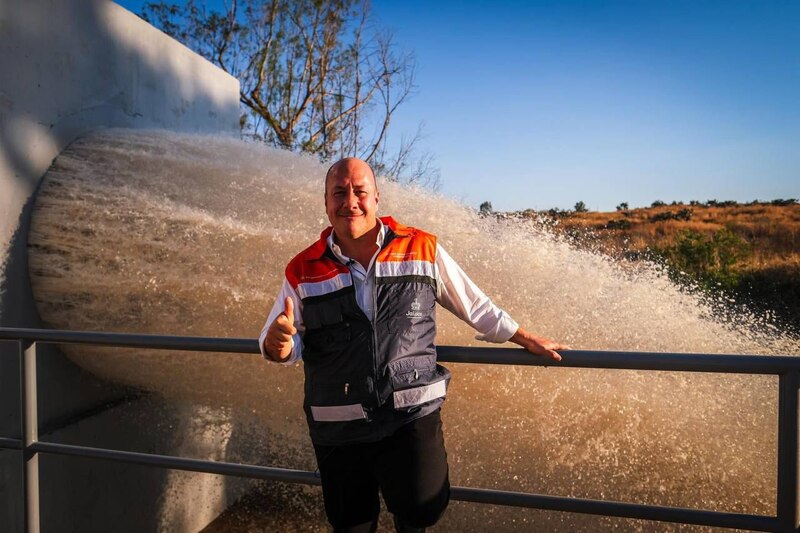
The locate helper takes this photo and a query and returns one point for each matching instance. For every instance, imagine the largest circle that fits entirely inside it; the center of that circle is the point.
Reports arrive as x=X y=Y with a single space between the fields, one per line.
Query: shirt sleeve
x=459 y=295
x=277 y=308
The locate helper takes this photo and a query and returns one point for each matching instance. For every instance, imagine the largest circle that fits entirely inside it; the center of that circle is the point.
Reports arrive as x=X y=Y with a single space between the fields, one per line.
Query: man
x=359 y=307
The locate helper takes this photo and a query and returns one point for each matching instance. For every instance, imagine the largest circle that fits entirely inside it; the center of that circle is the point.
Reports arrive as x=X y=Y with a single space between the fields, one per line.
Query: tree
x=623 y=206
x=312 y=77
x=580 y=207
x=486 y=208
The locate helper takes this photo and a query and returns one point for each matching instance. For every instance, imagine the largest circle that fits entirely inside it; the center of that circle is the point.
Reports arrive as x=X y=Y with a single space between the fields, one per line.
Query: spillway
x=156 y=232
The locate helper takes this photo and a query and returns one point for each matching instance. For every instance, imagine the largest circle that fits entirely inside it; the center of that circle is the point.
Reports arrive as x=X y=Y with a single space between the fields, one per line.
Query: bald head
x=351 y=202
x=347 y=167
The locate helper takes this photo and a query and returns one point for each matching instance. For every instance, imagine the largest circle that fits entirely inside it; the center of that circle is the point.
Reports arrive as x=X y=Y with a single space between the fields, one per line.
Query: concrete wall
x=68 y=67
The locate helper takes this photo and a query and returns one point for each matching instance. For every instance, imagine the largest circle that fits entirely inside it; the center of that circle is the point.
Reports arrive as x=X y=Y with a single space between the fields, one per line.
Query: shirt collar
x=338 y=251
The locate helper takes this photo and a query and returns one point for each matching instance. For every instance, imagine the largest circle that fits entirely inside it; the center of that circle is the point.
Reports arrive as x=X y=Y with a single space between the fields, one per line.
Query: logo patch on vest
x=414 y=312
x=402 y=256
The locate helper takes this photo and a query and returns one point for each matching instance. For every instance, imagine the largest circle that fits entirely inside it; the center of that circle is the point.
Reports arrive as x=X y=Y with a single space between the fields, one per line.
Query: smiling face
x=351 y=198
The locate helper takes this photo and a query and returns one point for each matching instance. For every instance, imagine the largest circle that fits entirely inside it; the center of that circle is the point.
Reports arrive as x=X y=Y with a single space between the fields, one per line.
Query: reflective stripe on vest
x=310 y=288
x=402 y=399
x=390 y=269
x=338 y=413
x=350 y=358
x=411 y=397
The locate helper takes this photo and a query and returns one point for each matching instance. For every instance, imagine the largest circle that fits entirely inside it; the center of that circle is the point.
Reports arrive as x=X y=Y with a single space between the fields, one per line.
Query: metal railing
x=786 y=368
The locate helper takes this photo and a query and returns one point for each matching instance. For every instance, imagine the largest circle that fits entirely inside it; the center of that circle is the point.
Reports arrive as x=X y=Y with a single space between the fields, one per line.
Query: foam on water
x=156 y=232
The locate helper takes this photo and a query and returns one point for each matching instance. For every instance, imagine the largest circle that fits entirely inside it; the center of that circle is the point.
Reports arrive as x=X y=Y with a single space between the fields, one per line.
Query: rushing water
x=156 y=232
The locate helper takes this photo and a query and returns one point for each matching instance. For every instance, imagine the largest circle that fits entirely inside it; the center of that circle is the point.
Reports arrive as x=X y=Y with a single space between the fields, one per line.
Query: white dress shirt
x=454 y=291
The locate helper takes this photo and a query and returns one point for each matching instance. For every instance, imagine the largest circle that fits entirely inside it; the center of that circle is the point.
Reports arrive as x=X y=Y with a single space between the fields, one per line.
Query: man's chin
x=351 y=228
x=344 y=229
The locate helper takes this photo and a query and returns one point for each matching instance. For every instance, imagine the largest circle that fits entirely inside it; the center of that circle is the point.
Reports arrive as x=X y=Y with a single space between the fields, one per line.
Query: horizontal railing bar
x=616 y=509
x=10 y=444
x=133 y=340
x=720 y=363
x=181 y=463
x=679 y=362
x=599 y=359
x=516 y=499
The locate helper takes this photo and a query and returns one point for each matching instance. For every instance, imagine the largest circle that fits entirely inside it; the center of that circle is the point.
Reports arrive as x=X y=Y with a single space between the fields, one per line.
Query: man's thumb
x=288 y=309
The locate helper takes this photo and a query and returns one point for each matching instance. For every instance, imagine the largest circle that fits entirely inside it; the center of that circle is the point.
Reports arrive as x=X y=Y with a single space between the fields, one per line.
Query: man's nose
x=351 y=200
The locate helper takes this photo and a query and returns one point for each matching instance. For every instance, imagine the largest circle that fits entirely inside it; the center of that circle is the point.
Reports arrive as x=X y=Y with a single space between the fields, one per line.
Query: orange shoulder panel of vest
x=411 y=245
x=309 y=266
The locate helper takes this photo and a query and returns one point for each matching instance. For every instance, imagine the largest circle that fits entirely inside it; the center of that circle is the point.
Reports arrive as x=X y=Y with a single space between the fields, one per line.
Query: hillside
x=751 y=251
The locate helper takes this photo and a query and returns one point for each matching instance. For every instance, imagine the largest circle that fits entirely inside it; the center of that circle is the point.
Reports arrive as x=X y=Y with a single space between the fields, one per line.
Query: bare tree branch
x=313 y=77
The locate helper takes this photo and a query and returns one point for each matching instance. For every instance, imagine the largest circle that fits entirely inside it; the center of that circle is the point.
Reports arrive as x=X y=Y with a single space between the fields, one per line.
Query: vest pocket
x=411 y=371
x=338 y=400
x=326 y=340
x=417 y=381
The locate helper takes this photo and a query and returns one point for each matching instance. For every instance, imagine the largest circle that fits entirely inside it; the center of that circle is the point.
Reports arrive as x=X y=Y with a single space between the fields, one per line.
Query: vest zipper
x=376 y=378
x=374 y=334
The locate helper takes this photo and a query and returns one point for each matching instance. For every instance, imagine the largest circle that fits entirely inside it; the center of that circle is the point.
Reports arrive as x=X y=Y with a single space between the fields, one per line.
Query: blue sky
x=541 y=104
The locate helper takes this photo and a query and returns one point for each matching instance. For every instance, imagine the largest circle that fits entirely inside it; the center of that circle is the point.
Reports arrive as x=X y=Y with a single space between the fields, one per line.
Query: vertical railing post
x=787 y=450
x=29 y=421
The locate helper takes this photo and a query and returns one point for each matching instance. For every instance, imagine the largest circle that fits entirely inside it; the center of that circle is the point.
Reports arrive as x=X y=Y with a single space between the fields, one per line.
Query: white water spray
x=156 y=232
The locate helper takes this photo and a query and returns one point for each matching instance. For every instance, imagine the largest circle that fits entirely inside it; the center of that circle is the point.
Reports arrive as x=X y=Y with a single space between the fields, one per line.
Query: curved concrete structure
x=69 y=67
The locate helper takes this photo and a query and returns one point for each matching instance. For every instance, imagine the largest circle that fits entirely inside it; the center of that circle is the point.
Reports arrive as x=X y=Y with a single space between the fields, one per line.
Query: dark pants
x=409 y=467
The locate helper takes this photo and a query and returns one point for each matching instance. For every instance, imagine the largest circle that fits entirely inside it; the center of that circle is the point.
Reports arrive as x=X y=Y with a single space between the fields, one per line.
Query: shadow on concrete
x=77 y=65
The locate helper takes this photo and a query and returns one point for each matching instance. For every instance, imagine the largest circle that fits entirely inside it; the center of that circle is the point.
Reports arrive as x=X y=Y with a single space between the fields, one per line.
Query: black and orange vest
x=366 y=378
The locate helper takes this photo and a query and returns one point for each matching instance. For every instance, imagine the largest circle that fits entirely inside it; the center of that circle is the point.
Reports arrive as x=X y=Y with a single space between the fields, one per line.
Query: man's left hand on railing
x=538 y=345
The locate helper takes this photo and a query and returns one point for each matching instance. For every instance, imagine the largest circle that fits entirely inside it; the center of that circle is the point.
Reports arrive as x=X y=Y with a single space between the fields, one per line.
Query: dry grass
x=769 y=276
x=772 y=231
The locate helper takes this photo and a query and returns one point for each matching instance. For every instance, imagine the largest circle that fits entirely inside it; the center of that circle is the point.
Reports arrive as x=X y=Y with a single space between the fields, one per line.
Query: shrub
x=557 y=213
x=580 y=207
x=710 y=261
x=724 y=203
x=658 y=203
x=623 y=206
x=782 y=202
x=620 y=223
x=666 y=215
x=683 y=214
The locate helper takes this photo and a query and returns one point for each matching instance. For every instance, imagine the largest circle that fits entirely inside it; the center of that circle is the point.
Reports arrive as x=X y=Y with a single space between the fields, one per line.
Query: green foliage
x=722 y=203
x=558 y=213
x=620 y=223
x=709 y=261
x=623 y=206
x=486 y=208
x=782 y=202
x=580 y=207
x=683 y=214
x=657 y=203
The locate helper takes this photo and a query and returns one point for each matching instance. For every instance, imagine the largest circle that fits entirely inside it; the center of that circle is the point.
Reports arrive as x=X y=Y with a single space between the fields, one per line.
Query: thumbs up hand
x=278 y=342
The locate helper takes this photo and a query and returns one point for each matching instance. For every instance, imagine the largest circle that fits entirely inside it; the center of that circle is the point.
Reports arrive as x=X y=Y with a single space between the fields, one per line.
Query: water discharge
x=156 y=232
